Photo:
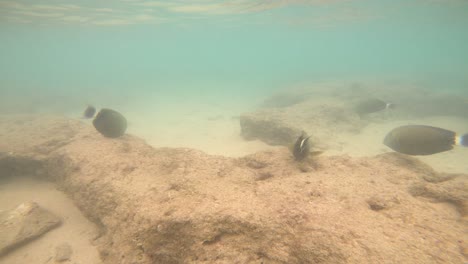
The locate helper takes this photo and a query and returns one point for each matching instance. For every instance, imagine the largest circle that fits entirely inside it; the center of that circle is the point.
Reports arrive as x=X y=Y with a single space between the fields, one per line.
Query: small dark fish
x=301 y=148
x=372 y=106
x=423 y=140
x=110 y=123
x=89 y=112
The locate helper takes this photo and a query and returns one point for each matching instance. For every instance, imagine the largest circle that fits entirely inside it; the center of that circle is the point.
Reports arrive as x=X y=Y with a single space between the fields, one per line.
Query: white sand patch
x=212 y=126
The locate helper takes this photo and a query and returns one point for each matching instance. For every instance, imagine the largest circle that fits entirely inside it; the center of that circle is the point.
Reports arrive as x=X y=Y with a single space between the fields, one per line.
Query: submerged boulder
x=281 y=126
x=23 y=224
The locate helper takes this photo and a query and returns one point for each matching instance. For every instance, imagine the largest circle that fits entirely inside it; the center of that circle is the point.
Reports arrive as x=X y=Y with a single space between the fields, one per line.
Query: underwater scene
x=233 y=131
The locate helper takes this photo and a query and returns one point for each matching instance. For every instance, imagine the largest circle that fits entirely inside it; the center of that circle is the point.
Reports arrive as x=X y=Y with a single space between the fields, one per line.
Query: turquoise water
x=232 y=78
x=85 y=50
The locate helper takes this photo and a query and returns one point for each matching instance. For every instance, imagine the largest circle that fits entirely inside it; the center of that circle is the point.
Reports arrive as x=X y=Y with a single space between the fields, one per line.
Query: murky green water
x=109 y=53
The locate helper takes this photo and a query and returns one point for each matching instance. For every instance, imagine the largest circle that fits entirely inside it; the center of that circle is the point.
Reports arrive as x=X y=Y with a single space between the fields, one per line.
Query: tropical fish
x=372 y=106
x=301 y=148
x=89 y=112
x=423 y=140
x=110 y=123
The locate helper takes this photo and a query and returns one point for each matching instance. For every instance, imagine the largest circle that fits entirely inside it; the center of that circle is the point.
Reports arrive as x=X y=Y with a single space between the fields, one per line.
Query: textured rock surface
x=23 y=224
x=281 y=126
x=326 y=111
x=412 y=101
x=183 y=206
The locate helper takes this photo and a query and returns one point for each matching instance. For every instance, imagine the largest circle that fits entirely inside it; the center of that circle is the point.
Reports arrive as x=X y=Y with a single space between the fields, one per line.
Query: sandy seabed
x=218 y=133
x=76 y=230
x=234 y=201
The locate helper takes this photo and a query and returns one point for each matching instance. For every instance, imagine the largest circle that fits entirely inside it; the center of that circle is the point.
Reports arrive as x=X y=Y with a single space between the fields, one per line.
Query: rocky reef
x=326 y=111
x=183 y=206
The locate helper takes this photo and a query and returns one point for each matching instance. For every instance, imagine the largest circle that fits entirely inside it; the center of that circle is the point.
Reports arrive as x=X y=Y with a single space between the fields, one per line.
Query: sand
x=168 y=205
x=76 y=230
x=221 y=136
x=205 y=123
x=211 y=127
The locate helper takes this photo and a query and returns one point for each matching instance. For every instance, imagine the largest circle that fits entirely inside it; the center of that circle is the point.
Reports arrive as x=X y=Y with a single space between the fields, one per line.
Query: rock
x=285 y=99
x=380 y=202
x=63 y=252
x=326 y=111
x=271 y=130
x=13 y=165
x=412 y=101
x=23 y=224
x=183 y=206
x=453 y=191
x=282 y=126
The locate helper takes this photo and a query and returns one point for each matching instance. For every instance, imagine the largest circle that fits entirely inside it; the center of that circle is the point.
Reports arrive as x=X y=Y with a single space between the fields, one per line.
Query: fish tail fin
x=390 y=106
x=463 y=141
